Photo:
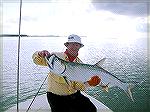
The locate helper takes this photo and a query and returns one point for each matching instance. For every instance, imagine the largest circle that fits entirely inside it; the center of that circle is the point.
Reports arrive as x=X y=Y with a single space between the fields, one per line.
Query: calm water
x=128 y=61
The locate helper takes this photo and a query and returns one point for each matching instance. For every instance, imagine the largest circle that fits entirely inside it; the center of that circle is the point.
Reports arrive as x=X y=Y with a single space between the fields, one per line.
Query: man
x=64 y=97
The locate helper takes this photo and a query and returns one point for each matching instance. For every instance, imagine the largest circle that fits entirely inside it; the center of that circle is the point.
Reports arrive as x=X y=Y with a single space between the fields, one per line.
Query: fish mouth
x=50 y=61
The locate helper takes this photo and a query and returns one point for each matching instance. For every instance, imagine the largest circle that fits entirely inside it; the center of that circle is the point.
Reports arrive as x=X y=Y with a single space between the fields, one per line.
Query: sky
x=105 y=19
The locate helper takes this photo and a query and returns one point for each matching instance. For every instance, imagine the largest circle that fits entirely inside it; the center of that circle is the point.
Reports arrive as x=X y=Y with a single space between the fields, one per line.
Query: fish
x=73 y=71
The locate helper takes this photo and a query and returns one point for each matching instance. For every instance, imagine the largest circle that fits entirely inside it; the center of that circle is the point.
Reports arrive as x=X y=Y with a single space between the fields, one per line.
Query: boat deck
x=40 y=104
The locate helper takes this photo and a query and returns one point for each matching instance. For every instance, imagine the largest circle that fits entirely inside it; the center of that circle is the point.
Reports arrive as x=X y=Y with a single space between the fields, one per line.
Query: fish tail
x=127 y=88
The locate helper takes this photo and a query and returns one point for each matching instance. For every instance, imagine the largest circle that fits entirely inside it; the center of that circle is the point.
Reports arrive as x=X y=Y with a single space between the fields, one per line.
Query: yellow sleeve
x=38 y=60
x=78 y=85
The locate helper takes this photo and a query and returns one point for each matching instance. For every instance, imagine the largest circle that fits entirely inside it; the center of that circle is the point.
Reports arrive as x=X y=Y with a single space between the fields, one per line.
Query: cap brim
x=66 y=44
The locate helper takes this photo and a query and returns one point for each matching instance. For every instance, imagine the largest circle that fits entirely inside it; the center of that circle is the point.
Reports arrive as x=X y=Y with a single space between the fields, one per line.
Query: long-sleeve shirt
x=57 y=84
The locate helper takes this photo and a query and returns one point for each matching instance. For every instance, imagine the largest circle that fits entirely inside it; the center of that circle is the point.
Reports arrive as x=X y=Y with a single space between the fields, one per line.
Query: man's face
x=73 y=47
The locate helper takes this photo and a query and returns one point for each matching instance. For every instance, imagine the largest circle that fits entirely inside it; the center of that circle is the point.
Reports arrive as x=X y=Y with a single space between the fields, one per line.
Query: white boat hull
x=40 y=104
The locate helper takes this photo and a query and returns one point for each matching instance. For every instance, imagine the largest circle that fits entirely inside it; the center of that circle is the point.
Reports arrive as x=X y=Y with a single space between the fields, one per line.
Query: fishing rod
x=18 y=59
x=18 y=70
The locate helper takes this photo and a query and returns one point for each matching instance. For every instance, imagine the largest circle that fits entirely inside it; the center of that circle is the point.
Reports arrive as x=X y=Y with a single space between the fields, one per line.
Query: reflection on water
x=128 y=61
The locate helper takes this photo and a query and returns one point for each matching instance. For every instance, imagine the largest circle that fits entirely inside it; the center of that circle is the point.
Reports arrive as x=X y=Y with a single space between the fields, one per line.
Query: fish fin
x=100 y=63
x=104 y=87
x=127 y=89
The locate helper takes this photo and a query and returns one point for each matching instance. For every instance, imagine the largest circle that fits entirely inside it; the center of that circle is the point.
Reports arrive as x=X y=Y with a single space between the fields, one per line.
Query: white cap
x=74 y=38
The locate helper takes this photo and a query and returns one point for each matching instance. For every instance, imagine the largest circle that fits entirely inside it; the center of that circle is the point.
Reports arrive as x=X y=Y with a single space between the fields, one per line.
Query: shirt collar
x=71 y=58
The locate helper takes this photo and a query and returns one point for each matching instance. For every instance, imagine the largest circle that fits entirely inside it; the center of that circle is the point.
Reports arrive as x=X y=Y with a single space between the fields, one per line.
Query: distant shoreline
x=23 y=35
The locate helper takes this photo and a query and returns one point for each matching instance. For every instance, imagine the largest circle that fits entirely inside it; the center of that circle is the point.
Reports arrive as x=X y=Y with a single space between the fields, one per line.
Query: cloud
x=52 y=17
x=142 y=27
x=123 y=8
x=29 y=18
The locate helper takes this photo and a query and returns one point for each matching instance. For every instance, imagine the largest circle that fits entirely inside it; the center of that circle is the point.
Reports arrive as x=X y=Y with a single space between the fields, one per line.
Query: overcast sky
x=91 y=18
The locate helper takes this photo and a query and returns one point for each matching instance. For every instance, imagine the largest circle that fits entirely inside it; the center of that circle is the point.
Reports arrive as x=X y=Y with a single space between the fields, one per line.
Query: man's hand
x=95 y=80
x=43 y=53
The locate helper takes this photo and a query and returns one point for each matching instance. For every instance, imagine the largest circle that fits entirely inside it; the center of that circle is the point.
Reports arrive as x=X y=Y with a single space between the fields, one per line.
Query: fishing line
x=36 y=94
x=18 y=70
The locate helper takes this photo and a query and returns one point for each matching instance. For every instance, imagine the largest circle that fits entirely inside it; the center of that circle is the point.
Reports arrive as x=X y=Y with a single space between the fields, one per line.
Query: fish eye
x=56 y=59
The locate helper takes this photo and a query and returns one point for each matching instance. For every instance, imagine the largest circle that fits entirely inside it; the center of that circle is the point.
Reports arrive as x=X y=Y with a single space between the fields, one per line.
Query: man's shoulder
x=59 y=54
